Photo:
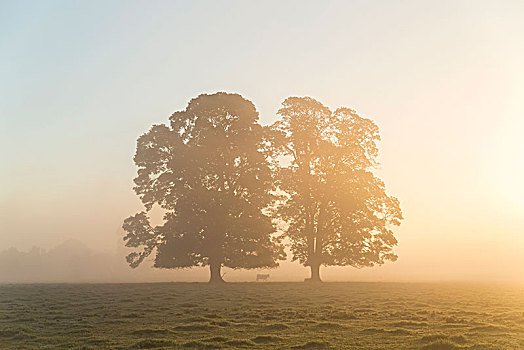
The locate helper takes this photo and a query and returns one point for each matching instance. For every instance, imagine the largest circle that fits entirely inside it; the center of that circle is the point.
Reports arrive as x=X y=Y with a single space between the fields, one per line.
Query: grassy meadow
x=262 y=316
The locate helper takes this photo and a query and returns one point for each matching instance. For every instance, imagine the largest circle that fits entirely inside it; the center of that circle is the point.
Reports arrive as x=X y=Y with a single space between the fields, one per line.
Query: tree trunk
x=316 y=258
x=315 y=273
x=216 y=277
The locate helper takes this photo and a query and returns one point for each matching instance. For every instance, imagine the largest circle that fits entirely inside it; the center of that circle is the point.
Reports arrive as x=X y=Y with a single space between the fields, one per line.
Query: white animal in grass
x=262 y=276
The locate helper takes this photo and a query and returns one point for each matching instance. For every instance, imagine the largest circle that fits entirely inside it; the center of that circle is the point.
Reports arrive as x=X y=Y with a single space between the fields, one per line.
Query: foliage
x=208 y=171
x=337 y=209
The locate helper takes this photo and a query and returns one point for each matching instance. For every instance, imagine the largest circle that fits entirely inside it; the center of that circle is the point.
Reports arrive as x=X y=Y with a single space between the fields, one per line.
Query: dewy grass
x=261 y=316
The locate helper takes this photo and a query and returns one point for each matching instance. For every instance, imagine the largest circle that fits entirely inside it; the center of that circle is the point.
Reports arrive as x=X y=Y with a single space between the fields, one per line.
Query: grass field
x=262 y=316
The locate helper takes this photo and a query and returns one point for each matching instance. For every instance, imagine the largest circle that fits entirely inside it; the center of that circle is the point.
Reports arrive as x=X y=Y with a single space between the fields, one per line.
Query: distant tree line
x=225 y=182
x=70 y=261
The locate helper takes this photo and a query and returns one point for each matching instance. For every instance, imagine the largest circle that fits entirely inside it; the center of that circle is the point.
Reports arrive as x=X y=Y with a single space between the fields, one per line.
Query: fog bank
x=74 y=262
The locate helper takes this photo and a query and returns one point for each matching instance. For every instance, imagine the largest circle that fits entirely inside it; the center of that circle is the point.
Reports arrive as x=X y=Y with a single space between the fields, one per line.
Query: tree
x=208 y=171
x=337 y=210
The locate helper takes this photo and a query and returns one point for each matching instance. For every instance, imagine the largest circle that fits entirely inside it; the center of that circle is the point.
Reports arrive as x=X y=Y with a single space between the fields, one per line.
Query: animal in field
x=262 y=277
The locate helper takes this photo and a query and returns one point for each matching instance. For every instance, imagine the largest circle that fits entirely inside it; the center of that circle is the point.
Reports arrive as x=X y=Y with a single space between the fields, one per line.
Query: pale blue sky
x=81 y=80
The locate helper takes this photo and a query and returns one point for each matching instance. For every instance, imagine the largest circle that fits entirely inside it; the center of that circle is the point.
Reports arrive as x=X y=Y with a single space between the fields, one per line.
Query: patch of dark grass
x=152 y=343
x=239 y=343
x=270 y=317
x=188 y=305
x=433 y=337
x=313 y=345
x=410 y=324
x=215 y=339
x=328 y=326
x=453 y=319
x=243 y=324
x=196 y=319
x=96 y=341
x=27 y=319
x=212 y=315
x=264 y=339
x=79 y=331
x=441 y=345
x=194 y=344
x=342 y=315
x=275 y=327
x=193 y=327
x=149 y=332
x=488 y=328
x=458 y=339
x=398 y=331
x=364 y=310
x=303 y=322
x=9 y=333
x=23 y=336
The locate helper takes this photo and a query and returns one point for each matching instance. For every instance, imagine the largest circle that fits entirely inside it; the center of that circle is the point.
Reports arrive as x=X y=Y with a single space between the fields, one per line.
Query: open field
x=262 y=316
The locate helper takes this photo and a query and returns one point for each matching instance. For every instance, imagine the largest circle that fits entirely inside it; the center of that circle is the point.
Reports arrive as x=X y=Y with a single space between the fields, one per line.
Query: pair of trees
x=222 y=180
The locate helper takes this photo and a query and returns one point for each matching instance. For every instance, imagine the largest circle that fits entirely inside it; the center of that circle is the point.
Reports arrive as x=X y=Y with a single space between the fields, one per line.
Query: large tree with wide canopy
x=208 y=171
x=337 y=209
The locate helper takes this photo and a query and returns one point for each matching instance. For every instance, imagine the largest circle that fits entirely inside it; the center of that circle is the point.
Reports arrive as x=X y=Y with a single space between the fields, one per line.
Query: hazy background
x=81 y=80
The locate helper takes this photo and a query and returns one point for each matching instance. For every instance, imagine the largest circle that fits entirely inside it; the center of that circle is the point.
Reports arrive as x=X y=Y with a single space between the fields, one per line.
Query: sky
x=81 y=80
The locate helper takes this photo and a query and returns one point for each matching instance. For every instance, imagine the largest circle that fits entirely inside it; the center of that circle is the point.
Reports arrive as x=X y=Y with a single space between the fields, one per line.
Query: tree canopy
x=338 y=211
x=208 y=170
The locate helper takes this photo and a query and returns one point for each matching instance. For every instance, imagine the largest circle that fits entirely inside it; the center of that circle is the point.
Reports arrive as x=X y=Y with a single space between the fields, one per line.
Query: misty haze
x=273 y=175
